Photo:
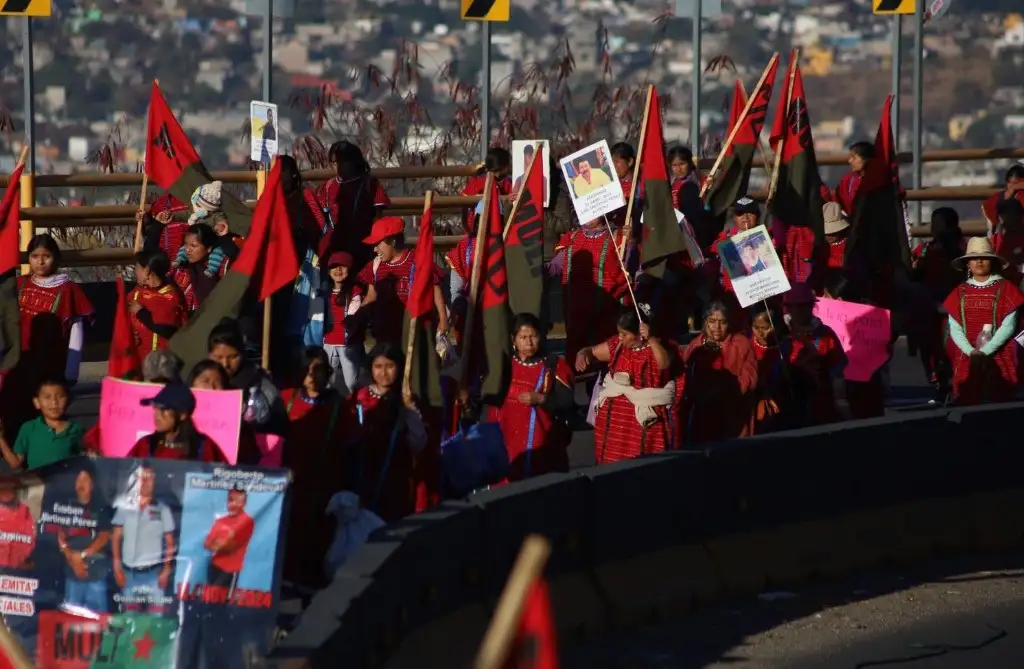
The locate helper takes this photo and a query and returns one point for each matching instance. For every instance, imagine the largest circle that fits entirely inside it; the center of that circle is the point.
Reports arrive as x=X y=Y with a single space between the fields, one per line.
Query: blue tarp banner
x=117 y=563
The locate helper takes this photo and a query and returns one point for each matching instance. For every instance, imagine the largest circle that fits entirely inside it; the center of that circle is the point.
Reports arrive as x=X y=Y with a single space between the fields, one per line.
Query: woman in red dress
x=497 y=162
x=157 y=304
x=721 y=382
x=541 y=390
x=771 y=386
x=313 y=452
x=387 y=278
x=594 y=288
x=53 y=310
x=353 y=200
x=624 y=161
x=389 y=434
x=633 y=407
x=460 y=262
x=746 y=215
x=198 y=278
x=982 y=371
x=1014 y=191
x=933 y=269
x=846 y=191
x=814 y=360
x=176 y=436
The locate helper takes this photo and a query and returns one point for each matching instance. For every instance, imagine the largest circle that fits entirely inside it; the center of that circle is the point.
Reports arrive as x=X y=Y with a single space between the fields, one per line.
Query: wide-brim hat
x=835 y=219
x=979 y=248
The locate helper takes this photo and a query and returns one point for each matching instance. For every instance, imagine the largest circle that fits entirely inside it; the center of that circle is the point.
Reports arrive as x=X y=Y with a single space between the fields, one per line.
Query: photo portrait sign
x=524 y=151
x=753 y=265
x=591 y=181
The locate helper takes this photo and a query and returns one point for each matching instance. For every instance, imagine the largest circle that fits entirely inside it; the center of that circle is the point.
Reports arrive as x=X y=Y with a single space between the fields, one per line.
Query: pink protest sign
x=123 y=420
x=270 y=449
x=863 y=330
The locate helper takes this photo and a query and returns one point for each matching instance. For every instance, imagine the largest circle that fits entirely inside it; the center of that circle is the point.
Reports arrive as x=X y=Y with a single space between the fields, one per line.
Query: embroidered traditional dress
x=156 y=447
x=618 y=217
x=814 y=398
x=353 y=205
x=313 y=451
x=535 y=440
x=391 y=281
x=993 y=377
x=166 y=306
x=846 y=192
x=798 y=256
x=594 y=287
x=721 y=390
x=383 y=454
x=50 y=310
x=197 y=281
x=771 y=387
x=990 y=209
x=618 y=435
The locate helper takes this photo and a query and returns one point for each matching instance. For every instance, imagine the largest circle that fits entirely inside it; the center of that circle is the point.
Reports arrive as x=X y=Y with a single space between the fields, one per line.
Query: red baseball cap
x=385 y=227
x=339 y=259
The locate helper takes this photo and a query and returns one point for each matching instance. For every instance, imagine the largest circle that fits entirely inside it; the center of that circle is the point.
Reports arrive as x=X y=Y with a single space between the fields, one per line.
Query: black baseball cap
x=174 y=396
x=746 y=205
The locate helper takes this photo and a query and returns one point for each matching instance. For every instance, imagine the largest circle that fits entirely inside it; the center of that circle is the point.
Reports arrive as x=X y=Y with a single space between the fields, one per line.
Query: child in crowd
x=51 y=436
x=53 y=311
x=343 y=335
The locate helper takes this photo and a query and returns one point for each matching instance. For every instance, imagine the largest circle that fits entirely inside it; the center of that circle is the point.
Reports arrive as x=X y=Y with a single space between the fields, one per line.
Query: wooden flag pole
x=410 y=344
x=142 y=197
x=15 y=654
x=519 y=196
x=501 y=634
x=474 y=278
x=774 y=183
x=627 y=228
x=736 y=128
x=760 y=142
x=22 y=158
x=261 y=184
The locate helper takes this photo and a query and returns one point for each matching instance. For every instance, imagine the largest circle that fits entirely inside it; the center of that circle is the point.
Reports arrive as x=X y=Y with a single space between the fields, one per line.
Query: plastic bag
x=355 y=525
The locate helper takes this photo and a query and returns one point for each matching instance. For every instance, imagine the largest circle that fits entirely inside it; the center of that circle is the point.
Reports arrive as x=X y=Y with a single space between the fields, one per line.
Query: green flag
x=662 y=235
x=138 y=641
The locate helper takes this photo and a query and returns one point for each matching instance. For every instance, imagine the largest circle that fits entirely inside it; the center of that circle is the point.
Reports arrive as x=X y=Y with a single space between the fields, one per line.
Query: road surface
x=955 y=614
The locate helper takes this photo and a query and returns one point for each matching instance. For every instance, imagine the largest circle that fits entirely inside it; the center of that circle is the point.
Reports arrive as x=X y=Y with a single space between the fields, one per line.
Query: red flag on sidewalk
x=123 y=360
x=10 y=208
x=535 y=646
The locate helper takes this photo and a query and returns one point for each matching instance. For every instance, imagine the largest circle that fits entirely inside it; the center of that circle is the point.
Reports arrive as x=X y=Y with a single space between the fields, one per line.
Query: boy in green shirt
x=51 y=436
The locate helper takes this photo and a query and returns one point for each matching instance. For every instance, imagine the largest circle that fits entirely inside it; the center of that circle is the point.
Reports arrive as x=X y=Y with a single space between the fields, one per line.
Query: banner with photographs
x=117 y=563
x=593 y=186
x=753 y=266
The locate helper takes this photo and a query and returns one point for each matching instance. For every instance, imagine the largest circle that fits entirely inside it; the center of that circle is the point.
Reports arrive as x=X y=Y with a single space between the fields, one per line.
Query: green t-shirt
x=41 y=445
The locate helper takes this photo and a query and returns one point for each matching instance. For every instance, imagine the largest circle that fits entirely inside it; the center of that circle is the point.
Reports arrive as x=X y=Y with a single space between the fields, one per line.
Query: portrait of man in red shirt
x=228 y=542
x=17 y=529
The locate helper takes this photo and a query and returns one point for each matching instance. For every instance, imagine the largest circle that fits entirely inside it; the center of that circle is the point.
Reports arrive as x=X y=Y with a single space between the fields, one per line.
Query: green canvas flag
x=524 y=243
x=662 y=235
x=494 y=365
x=138 y=641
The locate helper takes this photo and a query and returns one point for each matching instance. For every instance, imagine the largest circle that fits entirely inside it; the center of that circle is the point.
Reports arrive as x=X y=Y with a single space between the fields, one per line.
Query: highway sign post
x=697 y=10
x=486 y=11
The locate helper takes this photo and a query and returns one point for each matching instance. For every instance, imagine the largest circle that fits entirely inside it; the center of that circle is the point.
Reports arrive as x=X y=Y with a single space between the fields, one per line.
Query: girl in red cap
x=343 y=333
x=387 y=279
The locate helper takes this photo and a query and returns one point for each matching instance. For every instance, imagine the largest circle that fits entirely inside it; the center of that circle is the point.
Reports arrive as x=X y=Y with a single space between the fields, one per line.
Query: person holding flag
x=157 y=305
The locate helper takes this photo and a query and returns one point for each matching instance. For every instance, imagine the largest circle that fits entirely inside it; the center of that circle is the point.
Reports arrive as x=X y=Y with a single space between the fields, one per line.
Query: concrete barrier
x=646 y=539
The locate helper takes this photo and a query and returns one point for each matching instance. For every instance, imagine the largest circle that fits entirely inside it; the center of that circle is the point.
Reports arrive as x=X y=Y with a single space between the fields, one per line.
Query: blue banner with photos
x=117 y=563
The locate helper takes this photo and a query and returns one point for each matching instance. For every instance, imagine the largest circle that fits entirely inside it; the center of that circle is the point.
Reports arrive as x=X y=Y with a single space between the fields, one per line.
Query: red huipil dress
x=594 y=287
x=992 y=378
x=990 y=208
x=799 y=256
x=846 y=192
x=391 y=281
x=353 y=205
x=49 y=308
x=153 y=446
x=933 y=265
x=618 y=435
x=384 y=461
x=720 y=397
x=814 y=397
x=834 y=255
x=196 y=285
x=460 y=261
x=166 y=306
x=313 y=452
x=618 y=217
x=475 y=186
x=536 y=442
x=770 y=387
x=1009 y=244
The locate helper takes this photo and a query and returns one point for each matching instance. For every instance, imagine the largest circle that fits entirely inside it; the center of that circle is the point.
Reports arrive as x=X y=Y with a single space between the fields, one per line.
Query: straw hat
x=835 y=220
x=979 y=247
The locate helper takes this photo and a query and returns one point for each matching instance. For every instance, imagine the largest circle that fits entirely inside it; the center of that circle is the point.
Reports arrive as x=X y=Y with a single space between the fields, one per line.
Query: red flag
x=421 y=292
x=124 y=360
x=535 y=646
x=739 y=101
x=884 y=169
x=268 y=256
x=168 y=151
x=524 y=244
x=751 y=129
x=494 y=308
x=662 y=235
x=10 y=209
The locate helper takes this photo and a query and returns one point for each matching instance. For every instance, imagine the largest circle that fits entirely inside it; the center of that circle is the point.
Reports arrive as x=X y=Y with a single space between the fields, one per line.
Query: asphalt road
x=955 y=614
